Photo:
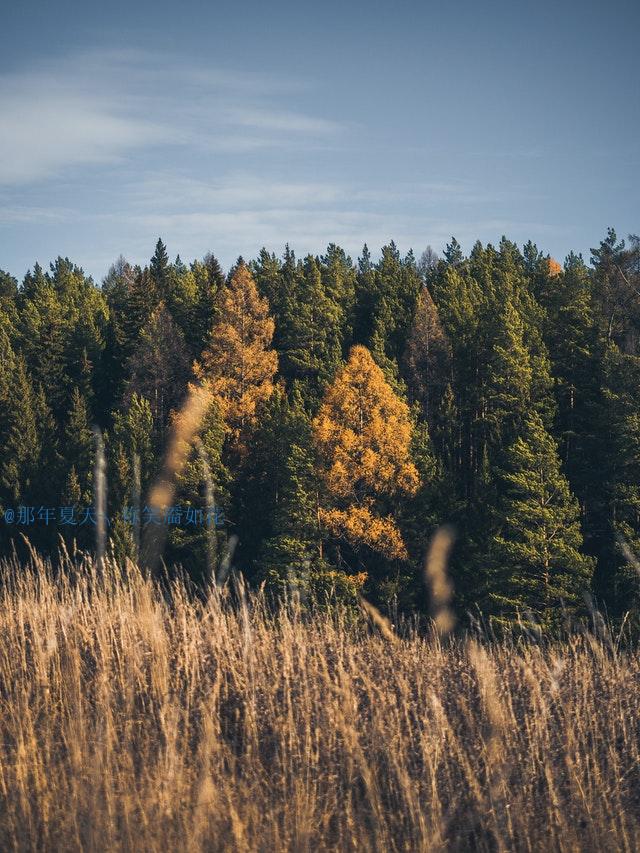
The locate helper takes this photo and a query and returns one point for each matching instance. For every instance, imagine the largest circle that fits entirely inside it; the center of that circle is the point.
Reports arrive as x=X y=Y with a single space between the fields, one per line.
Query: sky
x=228 y=126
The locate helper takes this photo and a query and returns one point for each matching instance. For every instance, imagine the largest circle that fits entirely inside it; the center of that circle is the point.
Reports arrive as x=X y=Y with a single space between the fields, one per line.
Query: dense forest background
x=355 y=408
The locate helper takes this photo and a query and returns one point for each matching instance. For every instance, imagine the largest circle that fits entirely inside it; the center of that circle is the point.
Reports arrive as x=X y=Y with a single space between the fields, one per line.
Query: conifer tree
x=159 y=268
x=78 y=447
x=613 y=497
x=181 y=296
x=362 y=434
x=397 y=288
x=20 y=436
x=202 y=489
x=276 y=504
x=42 y=340
x=312 y=330
x=159 y=368
x=209 y=280
x=427 y=357
x=453 y=254
x=510 y=378
x=237 y=363
x=131 y=437
x=267 y=271
x=617 y=290
x=339 y=280
x=117 y=287
x=536 y=560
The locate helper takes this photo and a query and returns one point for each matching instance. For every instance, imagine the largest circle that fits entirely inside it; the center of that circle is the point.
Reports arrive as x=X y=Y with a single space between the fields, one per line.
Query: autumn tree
x=362 y=435
x=238 y=363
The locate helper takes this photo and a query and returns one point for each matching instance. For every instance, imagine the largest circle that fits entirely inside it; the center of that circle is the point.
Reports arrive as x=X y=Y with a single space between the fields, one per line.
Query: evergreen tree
x=427 y=357
x=453 y=254
x=312 y=330
x=617 y=290
x=159 y=269
x=202 y=489
x=536 y=562
x=510 y=377
x=78 y=448
x=209 y=280
x=159 y=369
x=20 y=436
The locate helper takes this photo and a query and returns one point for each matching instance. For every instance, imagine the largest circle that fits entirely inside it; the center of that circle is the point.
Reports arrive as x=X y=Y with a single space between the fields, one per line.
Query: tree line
x=355 y=407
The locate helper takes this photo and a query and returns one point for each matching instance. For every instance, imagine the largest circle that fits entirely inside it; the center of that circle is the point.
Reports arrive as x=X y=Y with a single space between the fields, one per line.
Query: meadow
x=141 y=717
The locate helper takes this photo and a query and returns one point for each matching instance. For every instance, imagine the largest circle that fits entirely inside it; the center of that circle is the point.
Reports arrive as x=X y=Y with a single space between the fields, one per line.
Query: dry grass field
x=138 y=719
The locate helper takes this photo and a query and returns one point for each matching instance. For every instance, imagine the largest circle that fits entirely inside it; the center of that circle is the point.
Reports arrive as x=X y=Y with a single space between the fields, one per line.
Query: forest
x=351 y=410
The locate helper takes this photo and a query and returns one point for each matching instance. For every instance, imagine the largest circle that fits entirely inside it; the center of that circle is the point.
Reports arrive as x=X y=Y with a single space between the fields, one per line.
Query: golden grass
x=132 y=719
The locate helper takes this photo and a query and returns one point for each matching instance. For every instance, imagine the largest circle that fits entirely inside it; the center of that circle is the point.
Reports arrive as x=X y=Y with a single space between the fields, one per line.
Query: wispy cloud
x=287 y=122
x=32 y=215
x=100 y=107
x=102 y=151
x=241 y=212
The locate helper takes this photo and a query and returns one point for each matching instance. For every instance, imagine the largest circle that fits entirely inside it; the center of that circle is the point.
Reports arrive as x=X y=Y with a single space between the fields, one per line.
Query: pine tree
x=617 y=290
x=78 y=447
x=131 y=437
x=510 y=377
x=117 y=287
x=42 y=333
x=209 y=280
x=291 y=558
x=8 y=298
x=270 y=503
x=397 y=288
x=78 y=451
x=339 y=281
x=613 y=504
x=625 y=578
x=536 y=562
x=453 y=253
x=204 y=478
x=311 y=330
x=20 y=437
x=159 y=269
x=267 y=271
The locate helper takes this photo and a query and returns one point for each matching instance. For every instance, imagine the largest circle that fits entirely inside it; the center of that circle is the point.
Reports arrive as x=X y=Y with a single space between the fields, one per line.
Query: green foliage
x=536 y=562
x=522 y=378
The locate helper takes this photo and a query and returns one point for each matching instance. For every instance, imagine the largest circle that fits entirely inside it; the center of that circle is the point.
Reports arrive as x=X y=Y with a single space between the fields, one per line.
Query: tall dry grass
x=133 y=718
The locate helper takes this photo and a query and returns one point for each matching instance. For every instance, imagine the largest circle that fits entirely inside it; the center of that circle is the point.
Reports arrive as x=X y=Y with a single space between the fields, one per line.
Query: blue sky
x=229 y=126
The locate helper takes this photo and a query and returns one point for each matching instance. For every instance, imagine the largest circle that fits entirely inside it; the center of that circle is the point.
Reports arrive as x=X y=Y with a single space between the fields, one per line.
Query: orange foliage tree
x=554 y=267
x=362 y=435
x=238 y=364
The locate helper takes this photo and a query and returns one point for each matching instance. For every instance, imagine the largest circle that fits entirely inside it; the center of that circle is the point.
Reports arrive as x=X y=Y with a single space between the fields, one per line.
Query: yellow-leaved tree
x=362 y=436
x=238 y=364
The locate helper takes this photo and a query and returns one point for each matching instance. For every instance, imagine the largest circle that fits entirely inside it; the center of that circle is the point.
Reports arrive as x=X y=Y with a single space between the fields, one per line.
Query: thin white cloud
x=31 y=214
x=42 y=132
x=280 y=121
x=101 y=107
